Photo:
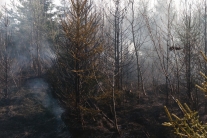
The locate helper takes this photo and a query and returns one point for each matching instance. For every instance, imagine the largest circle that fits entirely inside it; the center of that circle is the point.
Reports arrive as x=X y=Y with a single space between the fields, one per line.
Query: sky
x=153 y=2
x=2 y=2
x=57 y=2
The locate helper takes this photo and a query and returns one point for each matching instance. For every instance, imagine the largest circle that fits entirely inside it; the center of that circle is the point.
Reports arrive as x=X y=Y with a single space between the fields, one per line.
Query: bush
x=189 y=125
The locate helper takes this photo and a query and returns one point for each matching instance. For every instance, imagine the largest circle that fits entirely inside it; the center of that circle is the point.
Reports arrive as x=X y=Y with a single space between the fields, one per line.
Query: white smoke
x=40 y=89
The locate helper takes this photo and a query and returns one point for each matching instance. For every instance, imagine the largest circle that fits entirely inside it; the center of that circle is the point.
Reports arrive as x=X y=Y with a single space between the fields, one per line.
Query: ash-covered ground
x=31 y=112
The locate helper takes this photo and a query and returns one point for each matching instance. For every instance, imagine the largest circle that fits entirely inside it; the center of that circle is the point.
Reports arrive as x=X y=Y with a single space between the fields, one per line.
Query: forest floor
x=144 y=119
x=141 y=119
x=23 y=116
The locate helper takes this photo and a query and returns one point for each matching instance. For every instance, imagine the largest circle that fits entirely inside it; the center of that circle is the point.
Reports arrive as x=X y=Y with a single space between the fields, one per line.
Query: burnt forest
x=103 y=69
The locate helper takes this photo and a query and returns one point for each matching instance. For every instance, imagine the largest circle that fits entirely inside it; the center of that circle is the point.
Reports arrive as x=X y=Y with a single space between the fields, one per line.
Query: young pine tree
x=189 y=125
x=78 y=50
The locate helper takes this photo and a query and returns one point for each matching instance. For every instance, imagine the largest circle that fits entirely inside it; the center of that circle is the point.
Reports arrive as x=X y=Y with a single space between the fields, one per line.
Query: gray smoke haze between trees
x=42 y=93
x=147 y=53
x=21 y=56
x=40 y=89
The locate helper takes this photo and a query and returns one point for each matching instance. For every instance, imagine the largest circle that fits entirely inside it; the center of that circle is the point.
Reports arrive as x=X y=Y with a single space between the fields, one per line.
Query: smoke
x=40 y=89
x=25 y=53
x=24 y=59
x=41 y=92
x=3 y=2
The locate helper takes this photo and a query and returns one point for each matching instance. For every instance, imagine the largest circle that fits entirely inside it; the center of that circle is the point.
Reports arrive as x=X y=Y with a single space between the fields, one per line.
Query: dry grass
x=21 y=116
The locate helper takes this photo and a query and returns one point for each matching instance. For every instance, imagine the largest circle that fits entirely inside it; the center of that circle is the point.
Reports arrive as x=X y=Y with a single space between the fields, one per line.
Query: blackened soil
x=135 y=120
x=21 y=116
x=142 y=121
